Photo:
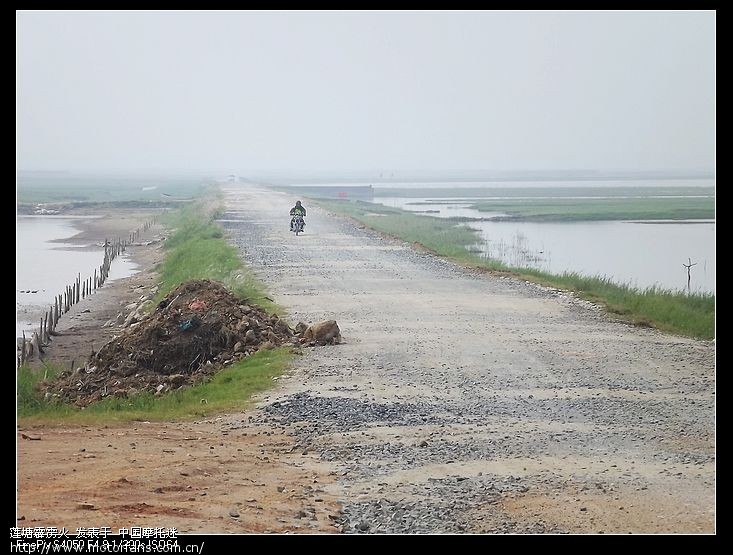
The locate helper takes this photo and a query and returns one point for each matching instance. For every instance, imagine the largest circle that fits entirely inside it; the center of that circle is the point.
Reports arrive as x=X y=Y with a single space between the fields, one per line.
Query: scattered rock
x=322 y=333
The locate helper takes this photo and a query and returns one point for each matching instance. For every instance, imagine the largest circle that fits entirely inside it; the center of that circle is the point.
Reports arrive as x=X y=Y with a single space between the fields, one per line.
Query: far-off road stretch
x=457 y=402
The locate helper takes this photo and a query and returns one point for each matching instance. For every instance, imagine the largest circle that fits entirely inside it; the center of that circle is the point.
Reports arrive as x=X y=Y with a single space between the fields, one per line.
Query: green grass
x=197 y=249
x=230 y=389
x=438 y=235
x=29 y=400
x=564 y=209
x=671 y=311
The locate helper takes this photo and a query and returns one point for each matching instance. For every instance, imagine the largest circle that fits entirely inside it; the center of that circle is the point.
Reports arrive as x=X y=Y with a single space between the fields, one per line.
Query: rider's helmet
x=297 y=203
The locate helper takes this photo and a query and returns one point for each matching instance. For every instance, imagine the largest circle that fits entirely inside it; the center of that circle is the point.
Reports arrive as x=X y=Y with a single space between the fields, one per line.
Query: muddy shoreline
x=87 y=318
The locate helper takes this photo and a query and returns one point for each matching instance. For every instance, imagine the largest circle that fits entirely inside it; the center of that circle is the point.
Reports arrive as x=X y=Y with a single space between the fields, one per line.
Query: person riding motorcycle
x=297 y=210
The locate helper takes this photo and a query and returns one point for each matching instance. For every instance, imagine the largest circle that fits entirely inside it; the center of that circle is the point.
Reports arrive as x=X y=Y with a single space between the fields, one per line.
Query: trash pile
x=191 y=334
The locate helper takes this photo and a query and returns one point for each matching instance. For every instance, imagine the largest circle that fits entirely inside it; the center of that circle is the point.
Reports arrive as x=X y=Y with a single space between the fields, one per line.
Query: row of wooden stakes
x=33 y=347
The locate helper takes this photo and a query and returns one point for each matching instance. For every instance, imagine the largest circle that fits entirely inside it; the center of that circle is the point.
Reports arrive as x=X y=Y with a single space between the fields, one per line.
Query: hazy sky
x=235 y=91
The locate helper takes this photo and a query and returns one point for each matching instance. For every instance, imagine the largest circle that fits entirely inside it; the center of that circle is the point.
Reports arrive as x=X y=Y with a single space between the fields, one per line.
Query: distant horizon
x=386 y=174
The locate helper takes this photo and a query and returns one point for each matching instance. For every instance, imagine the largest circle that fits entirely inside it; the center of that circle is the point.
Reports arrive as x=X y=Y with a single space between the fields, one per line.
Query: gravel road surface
x=464 y=402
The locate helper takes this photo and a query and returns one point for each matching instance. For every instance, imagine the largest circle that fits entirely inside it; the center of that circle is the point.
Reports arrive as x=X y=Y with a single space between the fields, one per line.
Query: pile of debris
x=192 y=333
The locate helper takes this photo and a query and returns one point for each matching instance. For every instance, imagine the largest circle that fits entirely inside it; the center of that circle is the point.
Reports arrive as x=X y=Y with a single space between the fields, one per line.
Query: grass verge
x=196 y=250
x=671 y=311
x=229 y=389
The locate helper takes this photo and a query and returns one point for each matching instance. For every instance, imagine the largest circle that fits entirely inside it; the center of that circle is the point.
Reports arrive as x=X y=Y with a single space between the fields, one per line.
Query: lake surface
x=44 y=267
x=641 y=254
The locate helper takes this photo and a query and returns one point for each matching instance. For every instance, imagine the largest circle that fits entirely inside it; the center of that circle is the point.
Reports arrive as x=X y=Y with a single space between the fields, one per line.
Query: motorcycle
x=298 y=224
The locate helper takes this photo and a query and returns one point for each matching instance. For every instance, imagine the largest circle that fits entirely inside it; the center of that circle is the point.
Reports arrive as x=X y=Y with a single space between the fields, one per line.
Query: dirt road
x=466 y=402
x=459 y=402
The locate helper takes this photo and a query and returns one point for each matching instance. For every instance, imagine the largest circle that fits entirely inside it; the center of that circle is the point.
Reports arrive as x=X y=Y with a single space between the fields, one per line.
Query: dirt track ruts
x=467 y=402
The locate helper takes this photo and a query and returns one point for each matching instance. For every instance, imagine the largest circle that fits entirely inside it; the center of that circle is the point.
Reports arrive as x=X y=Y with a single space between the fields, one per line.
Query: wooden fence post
x=22 y=350
x=75 y=292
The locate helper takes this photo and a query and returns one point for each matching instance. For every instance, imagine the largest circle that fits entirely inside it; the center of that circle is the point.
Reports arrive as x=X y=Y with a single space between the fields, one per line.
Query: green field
x=468 y=192
x=574 y=209
x=672 y=311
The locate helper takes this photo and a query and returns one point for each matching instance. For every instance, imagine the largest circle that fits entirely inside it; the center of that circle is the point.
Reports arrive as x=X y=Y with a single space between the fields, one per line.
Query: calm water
x=635 y=253
x=641 y=254
x=47 y=267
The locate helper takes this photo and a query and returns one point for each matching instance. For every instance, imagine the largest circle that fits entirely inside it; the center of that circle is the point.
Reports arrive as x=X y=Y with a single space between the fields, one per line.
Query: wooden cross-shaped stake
x=688 y=266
